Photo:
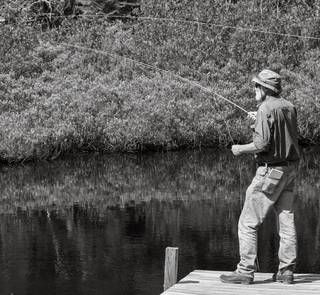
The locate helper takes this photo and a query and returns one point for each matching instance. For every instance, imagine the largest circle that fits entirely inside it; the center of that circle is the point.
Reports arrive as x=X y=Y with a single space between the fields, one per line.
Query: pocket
x=261 y=171
x=269 y=185
x=271 y=182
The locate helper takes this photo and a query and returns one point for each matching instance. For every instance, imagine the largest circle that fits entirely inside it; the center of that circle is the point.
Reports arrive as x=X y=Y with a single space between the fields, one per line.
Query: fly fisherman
x=276 y=150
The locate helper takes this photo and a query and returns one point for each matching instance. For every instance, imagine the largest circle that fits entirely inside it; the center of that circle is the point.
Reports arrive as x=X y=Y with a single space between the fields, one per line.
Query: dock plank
x=204 y=282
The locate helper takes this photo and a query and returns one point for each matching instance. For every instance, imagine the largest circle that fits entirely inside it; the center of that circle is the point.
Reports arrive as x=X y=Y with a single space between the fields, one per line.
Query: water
x=97 y=224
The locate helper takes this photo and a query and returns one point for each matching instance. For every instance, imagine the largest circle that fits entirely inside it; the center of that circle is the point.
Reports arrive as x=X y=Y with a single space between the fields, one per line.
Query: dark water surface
x=100 y=224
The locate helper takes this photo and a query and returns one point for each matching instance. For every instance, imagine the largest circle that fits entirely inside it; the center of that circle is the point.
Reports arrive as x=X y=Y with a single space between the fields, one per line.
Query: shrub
x=56 y=98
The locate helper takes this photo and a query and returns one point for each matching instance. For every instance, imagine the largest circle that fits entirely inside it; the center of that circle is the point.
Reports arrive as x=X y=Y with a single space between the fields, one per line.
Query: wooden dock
x=201 y=282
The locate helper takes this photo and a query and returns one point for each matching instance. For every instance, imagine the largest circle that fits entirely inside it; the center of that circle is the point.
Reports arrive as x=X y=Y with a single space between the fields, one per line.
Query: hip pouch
x=272 y=181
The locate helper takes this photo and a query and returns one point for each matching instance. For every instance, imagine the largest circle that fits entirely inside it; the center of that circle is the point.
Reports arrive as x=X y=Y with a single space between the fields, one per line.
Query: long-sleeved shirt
x=275 y=132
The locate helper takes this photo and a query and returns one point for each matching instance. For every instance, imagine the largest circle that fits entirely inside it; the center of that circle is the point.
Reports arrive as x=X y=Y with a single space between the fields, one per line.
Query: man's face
x=260 y=93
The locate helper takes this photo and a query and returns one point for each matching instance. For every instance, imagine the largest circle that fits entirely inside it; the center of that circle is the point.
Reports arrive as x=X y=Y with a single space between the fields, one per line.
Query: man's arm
x=250 y=148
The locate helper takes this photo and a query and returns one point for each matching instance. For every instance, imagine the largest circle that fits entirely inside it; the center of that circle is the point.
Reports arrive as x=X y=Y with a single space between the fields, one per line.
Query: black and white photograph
x=159 y=147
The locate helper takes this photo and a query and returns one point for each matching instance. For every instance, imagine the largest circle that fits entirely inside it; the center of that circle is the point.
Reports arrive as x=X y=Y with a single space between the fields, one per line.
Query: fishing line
x=206 y=89
x=225 y=121
x=164 y=19
x=252 y=30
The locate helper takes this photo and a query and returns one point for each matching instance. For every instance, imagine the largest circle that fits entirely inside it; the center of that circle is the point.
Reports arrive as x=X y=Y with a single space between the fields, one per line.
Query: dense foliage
x=56 y=98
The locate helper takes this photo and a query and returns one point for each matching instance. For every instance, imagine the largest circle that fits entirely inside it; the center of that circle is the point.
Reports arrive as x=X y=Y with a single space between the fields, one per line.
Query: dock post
x=170 y=267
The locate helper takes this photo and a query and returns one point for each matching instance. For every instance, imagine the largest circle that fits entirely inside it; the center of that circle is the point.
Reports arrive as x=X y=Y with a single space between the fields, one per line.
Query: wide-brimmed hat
x=269 y=79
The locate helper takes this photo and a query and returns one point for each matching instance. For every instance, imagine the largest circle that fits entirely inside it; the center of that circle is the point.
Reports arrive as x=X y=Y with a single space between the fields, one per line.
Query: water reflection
x=100 y=224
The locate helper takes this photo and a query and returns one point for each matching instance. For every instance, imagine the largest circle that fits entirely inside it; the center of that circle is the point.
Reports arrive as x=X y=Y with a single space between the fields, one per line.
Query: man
x=276 y=150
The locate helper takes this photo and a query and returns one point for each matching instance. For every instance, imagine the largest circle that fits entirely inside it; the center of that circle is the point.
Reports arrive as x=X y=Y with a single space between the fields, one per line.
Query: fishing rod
x=206 y=89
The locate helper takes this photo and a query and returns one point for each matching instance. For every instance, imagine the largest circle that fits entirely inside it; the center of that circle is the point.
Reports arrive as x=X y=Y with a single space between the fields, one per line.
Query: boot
x=237 y=278
x=285 y=276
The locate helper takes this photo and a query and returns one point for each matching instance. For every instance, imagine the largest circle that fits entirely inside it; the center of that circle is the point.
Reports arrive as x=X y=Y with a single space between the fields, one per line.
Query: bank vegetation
x=56 y=98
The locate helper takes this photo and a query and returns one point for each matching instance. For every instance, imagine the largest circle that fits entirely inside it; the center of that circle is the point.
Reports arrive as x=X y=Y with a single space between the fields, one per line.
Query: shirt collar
x=267 y=99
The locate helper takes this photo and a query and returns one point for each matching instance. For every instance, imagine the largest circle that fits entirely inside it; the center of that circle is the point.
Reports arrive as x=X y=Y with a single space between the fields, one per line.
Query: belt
x=276 y=164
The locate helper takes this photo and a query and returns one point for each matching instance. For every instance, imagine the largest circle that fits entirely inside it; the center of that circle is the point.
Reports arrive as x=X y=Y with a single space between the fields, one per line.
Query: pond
x=99 y=224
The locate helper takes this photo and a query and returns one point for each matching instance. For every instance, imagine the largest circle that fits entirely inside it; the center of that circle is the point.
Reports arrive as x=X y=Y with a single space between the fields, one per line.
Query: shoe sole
x=285 y=282
x=237 y=282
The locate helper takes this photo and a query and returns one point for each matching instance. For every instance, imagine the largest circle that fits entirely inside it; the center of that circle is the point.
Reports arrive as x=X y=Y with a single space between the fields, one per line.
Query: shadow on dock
x=298 y=279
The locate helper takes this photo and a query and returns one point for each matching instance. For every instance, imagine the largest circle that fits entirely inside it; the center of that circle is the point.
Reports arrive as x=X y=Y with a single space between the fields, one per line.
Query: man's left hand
x=236 y=149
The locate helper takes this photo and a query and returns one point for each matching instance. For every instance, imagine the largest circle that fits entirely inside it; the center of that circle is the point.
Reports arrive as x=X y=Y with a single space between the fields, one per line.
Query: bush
x=56 y=99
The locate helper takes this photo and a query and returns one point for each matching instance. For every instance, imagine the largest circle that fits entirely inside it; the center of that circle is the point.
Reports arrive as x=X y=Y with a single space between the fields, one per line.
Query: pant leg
x=260 y=197
x=284 y=208
x=255 y=209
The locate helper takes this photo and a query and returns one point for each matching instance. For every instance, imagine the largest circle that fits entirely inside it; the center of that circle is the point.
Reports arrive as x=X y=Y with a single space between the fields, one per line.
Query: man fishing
x=276 y=150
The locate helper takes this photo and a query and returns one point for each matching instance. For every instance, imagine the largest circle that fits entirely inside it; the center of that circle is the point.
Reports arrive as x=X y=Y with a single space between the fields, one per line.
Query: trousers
x=263 y=194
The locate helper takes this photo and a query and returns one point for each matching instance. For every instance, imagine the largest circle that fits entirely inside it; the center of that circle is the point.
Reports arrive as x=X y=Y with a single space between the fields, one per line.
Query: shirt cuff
x=260 y=144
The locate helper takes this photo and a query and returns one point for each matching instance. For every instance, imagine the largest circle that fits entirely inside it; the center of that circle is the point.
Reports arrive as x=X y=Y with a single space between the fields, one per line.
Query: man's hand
x=252 y=115
x=236 y=149
x=249 y=148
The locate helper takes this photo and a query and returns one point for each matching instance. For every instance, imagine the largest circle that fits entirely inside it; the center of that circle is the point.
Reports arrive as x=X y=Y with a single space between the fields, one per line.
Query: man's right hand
x=252 y=115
